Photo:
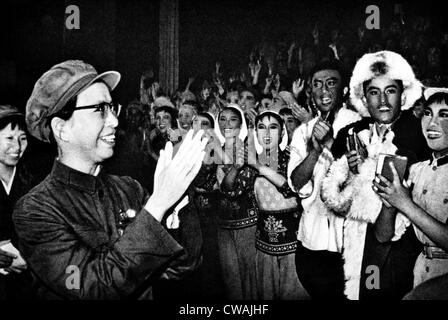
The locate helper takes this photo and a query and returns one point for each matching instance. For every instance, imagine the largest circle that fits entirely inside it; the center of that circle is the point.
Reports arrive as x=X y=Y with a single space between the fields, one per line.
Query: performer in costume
x=237 y=207
x=279 y=211
x=425 y=200
x=382 y=86
x=318 y=258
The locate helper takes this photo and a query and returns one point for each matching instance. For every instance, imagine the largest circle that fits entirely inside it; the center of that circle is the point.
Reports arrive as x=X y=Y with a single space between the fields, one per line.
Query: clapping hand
x=173 y=175
x=300 y=113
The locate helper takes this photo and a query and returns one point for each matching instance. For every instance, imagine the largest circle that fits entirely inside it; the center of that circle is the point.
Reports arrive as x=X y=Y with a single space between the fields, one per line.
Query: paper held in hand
x=17 y=262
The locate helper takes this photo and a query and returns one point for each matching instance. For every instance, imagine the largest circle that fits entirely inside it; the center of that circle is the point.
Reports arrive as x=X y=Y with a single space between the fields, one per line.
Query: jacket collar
x=77 y=179
x=439 y=161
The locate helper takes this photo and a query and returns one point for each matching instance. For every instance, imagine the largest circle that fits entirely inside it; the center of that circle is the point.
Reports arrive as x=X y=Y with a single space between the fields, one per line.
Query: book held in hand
x=383 y=168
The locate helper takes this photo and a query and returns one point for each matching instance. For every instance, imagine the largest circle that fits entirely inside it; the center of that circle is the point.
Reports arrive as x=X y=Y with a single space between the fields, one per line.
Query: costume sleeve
x=206 y=178
x=190 y=237
x=285 y=190
x=244 y=182
x=298 y=153
x=76 y=269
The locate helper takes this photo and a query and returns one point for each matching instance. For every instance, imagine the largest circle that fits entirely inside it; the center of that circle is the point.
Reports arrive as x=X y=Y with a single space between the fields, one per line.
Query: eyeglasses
x=104 y=108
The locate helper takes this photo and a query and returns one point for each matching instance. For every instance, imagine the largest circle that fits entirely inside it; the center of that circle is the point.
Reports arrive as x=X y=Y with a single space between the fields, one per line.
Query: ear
x=364 y=100
x=403 y=99
x=59 y=128
x=344 y=91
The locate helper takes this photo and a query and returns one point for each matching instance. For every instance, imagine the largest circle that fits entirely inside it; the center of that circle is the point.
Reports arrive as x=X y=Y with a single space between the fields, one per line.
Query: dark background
x=123 y=35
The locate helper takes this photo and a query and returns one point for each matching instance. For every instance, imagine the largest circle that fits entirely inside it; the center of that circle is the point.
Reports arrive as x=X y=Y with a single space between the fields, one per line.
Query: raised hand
x=277 y=82
x=173 y=175
x=315 y=33
x=291 y=48
x=297 y=87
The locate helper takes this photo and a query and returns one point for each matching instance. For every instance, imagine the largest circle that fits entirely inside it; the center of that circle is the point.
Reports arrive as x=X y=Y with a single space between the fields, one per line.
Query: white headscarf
x=243 y=129
x=283 y=143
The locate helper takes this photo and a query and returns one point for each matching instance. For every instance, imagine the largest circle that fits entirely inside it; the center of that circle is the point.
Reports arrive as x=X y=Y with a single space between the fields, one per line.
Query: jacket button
x=424 y=191
x=445 y=201
x=434 y=168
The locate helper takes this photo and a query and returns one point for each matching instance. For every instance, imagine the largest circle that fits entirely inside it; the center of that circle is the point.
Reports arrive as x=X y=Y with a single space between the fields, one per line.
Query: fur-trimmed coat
x=395 y=259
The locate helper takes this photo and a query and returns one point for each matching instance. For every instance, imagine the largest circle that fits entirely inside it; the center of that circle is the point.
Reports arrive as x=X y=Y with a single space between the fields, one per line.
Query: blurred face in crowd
x=163 y=121
x=269 y=132
x=134 y=117
x=383 y=99
x=186 y=114
x=291 y=124
x=91 y=132
x=435 y=126
x=201 y=122
x=214 y=109
x=13 y=142
x=229 y=123
x=277 y=102
x=205 y=93
x=232 y=97
x=247 y=100
x=326 y=89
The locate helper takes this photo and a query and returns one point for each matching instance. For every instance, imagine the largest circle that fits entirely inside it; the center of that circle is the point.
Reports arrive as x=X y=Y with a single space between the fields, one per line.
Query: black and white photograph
x=222 y=158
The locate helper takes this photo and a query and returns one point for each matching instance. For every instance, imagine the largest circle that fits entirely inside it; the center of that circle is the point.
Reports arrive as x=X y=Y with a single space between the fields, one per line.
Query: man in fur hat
x=383 y=88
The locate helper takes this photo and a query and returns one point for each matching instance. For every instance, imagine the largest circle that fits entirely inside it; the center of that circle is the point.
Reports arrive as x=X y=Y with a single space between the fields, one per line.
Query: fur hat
x=432 y=90
x=395 y=66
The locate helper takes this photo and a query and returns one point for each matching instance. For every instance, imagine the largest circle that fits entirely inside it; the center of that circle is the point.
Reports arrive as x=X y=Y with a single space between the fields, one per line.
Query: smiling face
x=163 y=121
x=92 y=134
x=229 y=123
x=269 y=131
x=326 y=89
x=382 y=96
x=185 y=117
x=435 y=126
x=13 y=142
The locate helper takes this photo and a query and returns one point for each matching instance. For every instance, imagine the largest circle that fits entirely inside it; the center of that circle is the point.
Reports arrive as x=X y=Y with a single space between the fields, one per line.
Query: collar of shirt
x=77 y=179
x=8 y=185
x=439 y=161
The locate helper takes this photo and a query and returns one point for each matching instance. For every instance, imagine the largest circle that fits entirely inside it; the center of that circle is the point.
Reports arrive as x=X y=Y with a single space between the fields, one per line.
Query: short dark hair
x=285 y=112
x=332 y=64
x=260 y=117
x=366 y=83
x=173 y=112
x=15 y=121
x=438 y=97
x=209 y=117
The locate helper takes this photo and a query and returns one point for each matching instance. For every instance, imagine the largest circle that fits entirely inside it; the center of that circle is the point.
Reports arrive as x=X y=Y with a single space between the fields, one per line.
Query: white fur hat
x=432 y=90
x=396 y=67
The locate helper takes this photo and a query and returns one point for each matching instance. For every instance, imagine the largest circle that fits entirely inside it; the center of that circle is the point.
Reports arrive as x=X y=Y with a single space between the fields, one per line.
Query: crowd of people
x=259 y=184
